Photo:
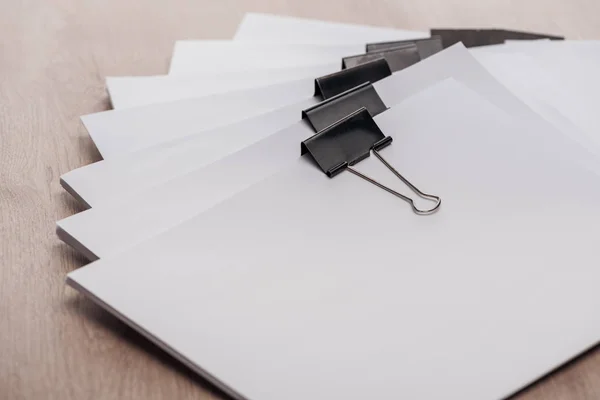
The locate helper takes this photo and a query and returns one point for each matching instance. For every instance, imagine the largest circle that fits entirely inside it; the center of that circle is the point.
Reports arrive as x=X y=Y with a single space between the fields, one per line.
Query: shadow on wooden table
x=86 y=147
x=538 y=389
x=95 y=315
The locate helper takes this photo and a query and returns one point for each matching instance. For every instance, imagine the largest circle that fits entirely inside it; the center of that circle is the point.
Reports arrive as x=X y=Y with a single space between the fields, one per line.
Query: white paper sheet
x=557 y=55
x=135 y=216
x=107 y=182
x=135 y=91
x=96 y=184
x=335 y=282
x=118 y=132
x=565 y=78
x=277 y=28
x=193 y=57
x=222 y=56
x=543 y=90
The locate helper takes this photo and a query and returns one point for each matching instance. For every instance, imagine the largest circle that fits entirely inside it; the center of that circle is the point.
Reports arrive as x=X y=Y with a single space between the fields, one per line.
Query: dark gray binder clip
x=346 y=133
x=425 y=47
x=399 y=54
x=397 y=58
x=379 y=62
x=338 y=82
x=485 y=37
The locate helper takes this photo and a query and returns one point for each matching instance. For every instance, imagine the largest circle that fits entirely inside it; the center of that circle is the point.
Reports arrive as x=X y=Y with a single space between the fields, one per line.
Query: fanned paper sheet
x=167 y=185
x=335 y=282
x=218 y=240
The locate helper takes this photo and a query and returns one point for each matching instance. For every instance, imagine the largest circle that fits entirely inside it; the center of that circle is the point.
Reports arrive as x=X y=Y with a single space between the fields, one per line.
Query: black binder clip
x=399 y=54
x=379 y=62
x=346 y=133
x=425 y=47
x=398 y=58
x=370 y=71
x=485 y=37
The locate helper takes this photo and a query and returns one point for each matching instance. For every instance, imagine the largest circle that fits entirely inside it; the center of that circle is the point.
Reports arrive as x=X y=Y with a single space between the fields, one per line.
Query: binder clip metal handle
x=436 y=199
x=339 y=146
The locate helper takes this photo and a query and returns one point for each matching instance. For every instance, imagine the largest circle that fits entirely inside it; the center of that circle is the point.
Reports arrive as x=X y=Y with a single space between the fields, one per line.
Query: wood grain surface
x=54 y=55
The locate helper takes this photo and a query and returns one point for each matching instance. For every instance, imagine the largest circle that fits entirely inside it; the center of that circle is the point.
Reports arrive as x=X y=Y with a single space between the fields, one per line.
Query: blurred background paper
x=117 y=177
x=559 y=74
x=278 y=28
x=134 y=91
x=206 y=57
x=282 y=60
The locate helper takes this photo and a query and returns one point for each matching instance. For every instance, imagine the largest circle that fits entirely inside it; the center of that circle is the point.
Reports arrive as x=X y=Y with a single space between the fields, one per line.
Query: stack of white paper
x=215 y=238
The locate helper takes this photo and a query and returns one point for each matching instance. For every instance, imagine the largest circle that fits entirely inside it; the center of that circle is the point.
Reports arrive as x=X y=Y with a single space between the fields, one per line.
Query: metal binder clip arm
x=341 y=145
x=438 y=200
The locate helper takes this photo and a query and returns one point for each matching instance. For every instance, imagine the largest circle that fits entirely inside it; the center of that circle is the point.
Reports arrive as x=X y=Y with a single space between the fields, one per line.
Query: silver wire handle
x=438 y=201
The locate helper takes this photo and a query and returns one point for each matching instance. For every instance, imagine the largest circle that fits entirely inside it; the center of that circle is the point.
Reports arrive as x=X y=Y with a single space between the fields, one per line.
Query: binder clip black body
x=424 y=47
x=398 y=58
x=380 y=60
x=371 y=70
x=346 y=133
x=399 y=54
x=485 y=37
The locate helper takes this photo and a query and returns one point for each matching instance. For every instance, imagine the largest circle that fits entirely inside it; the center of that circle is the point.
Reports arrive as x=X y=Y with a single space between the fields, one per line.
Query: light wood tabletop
x=54 y=56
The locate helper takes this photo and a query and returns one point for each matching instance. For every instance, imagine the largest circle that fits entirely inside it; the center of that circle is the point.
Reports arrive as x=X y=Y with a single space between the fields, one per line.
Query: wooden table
x=54 y=55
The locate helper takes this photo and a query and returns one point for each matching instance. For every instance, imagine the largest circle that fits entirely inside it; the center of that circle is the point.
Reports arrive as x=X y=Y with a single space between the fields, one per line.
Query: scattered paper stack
x=234 y=224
